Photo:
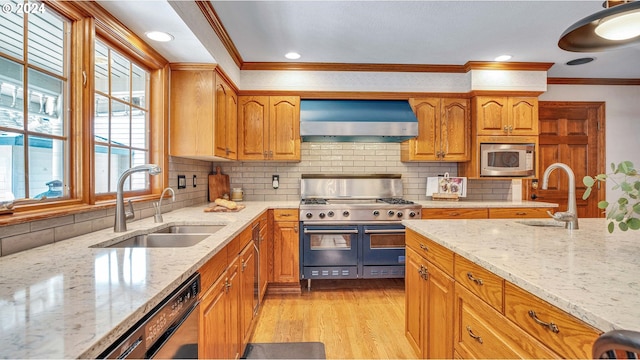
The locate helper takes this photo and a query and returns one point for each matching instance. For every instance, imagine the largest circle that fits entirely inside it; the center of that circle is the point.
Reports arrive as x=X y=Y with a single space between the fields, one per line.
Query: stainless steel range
x=351 y=226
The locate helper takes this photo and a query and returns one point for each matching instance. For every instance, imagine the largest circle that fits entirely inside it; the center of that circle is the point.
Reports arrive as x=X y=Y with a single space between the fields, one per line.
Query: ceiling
x=384 y=32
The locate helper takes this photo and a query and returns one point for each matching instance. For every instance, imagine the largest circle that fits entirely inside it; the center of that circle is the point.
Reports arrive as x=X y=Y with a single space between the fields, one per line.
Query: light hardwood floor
x=355 y=319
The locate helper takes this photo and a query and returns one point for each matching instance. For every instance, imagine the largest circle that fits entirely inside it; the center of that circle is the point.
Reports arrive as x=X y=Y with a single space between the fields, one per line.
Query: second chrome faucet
x=158 y=205
x=569 y=217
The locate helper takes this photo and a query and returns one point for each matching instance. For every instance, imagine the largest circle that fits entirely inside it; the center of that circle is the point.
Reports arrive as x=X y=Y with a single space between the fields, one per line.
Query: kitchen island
x=588 y=273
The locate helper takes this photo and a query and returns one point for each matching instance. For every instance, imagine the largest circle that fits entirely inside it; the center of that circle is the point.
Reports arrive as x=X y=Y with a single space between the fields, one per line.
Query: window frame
x=88 y=22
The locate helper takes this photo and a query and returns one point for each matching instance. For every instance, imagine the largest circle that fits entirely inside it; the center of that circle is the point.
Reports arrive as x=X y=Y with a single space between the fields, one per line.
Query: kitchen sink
x=542 y=223
x=162 y=240
x=190 y=229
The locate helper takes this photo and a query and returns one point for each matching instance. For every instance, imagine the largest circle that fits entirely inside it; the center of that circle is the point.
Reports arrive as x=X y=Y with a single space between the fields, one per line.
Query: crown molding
x=498 y=65
x=592 y=81
x=214 y=21
x=351 y=67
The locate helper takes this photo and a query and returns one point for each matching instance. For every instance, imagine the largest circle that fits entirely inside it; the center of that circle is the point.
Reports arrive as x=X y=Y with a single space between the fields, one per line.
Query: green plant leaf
x=615 y=187
x=623 y=201
x=623 y=226
x=586 y=194
x=636 y=208
x=610 y=227
x=601 y=177
x=626 y=187
x=636 y=185
x=634 y=223
x=613 y=167
x=588 y=181
x=603 y=204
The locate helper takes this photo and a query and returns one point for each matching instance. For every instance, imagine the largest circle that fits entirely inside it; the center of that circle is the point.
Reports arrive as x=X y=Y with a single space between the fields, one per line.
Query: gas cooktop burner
x=396 y=201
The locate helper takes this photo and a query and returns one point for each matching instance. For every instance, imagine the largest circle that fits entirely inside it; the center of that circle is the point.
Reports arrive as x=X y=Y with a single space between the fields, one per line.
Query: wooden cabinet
x=429 y=309
x=454 y=213
x=202 y=113
x=443 y=131
x=266 y=253
x=482 y=283
x=482 y=332
x=504 y=115
x=562 y=332
x=248 y=288
x=219 y=336
x=286 y=245
x=523 y=212
x=269 y=128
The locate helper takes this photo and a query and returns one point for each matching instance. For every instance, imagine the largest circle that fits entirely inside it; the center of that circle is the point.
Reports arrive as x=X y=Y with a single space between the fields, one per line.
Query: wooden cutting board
x=218 y=185
x=223 y=209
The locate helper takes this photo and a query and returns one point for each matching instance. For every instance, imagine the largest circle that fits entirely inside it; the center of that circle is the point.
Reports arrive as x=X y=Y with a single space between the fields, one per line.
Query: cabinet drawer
x=433 y=252
x=482 y=332
x=510 y=213
x=565 y=334
x=285 y=214
x=483 y=283
x=212 y=269
x=454 y=213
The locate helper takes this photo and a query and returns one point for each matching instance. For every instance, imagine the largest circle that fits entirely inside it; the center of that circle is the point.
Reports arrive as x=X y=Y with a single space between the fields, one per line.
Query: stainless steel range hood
x=357 y=121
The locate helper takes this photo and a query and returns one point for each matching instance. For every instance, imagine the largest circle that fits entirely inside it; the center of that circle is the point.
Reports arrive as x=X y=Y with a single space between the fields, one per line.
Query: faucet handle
x=129 y=214
x=564 y=216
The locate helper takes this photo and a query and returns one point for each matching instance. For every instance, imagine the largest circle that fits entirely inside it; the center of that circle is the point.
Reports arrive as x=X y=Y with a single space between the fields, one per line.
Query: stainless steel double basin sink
x=169 y=237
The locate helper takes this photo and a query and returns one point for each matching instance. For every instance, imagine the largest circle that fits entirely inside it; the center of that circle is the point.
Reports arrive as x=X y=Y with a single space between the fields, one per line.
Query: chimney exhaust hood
x=357 y=121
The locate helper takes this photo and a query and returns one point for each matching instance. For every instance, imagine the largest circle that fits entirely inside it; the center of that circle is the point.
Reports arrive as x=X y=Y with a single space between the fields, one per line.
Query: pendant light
x=615 y=26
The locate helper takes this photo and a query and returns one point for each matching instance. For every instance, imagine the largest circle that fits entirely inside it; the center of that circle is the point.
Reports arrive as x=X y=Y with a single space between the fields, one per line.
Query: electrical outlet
x=182 y=181
x=195 y=182
x=275 y=181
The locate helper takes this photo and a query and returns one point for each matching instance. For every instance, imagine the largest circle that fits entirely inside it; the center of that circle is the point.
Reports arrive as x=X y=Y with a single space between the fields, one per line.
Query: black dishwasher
x=169 y=331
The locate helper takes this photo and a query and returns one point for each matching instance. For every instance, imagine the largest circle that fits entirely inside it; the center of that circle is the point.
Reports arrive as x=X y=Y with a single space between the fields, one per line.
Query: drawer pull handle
x=454 y=214
x=477 y=281
x=551 y=326
x=476 y=337
x=521 y=213
x=424 y=247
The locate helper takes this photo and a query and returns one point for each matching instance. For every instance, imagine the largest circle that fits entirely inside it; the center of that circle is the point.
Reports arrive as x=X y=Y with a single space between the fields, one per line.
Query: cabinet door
x=454 y=130
x=221 y=125
x=213 y=338
x=523 y=116
x=233 y=305
x=438 y=336
x=284 y=128
x=266 y=253
x=414 y=290
x=248 y=287
x=253 y=134
x=192 y=113
x=232 y=125
x=491 y=115
x=286 y=244
x=426 y=146
x=510 y=213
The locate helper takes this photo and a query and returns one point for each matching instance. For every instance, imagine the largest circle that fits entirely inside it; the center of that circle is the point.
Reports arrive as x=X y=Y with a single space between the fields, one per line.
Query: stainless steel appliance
x=507 y=160
x=169 y=331
x=351 y=226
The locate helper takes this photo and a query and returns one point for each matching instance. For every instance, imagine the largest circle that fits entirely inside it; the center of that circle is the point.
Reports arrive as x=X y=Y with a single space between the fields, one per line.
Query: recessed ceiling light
x=159 y=36
x=292 y=55
x=503 y=58
x=580 y=61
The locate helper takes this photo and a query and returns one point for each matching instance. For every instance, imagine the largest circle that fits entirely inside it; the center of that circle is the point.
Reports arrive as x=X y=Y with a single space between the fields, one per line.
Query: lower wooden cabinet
x=248 y=288
x=219 y=336
x=265 y=244
x=429 y=309
x=454 y=213
x=524 y=212
x=286 y=245
x=481 y=332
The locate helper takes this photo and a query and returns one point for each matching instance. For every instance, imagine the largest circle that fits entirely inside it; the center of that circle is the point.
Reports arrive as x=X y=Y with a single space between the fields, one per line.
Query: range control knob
x=321 y=215
x=330 y=214
x=308 y=215
x=376 y=212
x=390 y=212
x=412 y=214
x=399 y=214
x=345 y=213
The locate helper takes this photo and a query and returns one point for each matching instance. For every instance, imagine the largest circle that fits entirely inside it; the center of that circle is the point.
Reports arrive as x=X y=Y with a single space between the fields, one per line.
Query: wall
x=14 y=238
x=348 y=158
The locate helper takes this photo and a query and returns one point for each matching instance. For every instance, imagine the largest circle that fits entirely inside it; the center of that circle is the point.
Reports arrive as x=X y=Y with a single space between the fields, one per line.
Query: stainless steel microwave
x=510 y=160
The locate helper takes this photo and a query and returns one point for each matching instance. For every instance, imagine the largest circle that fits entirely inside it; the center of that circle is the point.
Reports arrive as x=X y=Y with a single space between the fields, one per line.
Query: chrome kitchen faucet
x=122 y=216
x=158 y=205
x=569 y=217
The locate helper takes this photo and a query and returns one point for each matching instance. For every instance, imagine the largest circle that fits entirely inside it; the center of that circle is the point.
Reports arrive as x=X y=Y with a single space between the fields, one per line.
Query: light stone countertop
x=435 y=204
x=68 y=300
x=588 y=272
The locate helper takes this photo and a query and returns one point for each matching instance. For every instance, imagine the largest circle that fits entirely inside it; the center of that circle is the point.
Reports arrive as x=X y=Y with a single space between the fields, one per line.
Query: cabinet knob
x=505 y=129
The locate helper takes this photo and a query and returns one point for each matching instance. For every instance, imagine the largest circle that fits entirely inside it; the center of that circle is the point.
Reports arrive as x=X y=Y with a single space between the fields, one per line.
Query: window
x=121 y=120
x=34 y=88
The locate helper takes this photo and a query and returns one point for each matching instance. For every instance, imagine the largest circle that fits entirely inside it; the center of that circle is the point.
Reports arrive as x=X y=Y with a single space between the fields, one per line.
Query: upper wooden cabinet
x=506 y=115
x=202 y=113
x=269 y=128
x=443 y=131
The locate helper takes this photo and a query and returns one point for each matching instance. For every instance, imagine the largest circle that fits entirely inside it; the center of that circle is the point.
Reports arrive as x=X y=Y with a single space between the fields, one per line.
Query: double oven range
x=351 y=226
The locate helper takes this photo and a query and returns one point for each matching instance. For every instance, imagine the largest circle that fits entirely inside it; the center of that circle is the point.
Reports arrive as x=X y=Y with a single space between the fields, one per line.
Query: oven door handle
x=347 y=231
x=384 y=231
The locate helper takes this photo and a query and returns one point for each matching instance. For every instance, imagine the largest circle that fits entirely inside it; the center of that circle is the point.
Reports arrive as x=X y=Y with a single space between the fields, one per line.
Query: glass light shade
x=159 y=36
x=292 y=56
x=622 y=27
